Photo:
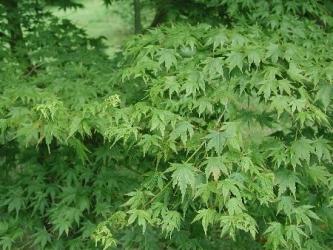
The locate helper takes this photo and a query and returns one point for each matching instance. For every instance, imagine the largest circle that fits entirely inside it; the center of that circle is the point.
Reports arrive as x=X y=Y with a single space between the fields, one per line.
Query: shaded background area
x=114 y=23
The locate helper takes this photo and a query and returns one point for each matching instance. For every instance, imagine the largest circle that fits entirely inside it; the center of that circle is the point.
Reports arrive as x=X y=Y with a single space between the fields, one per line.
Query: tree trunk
x=137 y=17
x=16 y=38
x=162 y=7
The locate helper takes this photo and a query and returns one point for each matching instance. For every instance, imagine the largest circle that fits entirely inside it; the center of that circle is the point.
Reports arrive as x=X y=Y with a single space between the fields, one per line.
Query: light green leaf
x=235 y=59
x=216 y=141
x=254 y=55
x=287 y=180
x=235 y=206
x=275 y=235
x=142 y=216
x=215 y=166
x=168 y=58
x=183 y=130
x=207 y=216
x=300 y=150
x=170 y=221
x=183 y=176
x=295 y=234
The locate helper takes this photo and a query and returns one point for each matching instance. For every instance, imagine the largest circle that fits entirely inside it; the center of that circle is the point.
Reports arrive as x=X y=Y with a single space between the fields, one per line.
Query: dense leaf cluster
x=239 y=123
x=196 y=137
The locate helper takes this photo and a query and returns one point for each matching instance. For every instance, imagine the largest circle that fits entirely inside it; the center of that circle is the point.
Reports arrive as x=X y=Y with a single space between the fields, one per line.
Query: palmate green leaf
x=217 y=39
x=267 y=88
x=160 y=119
x=298 y=105
x=247 y=165
x=88 y=229
x=204 y=106
x=171 y=85
x=142 y=216
x=183 y=176
x=255 y=55
x=295 y=72
x=188 y=51
x=81 y=150
x=322 y=149
x=75 y=126
x=304 y=214
x=235 y=59
x=216 y=141
x=294 y=234
x=231 y=223
x=168 y=57
x=230 y=187
x=214 y=67
x=183 y=35
x=6 y=242
x=324 y=95
x=144 y=64
x=274 y=52
x=300 y=150
x=237 y=39
x=205 y=191
x=104 y=236
x=286 y=205
x=28 y=134
x=234 y=135
x=287 y=180
x=137 y=199
x=170 y=221
x=194 y=83
x=41 y=238
x=215 y=166
x=235 y=206
x=285 y=86
x=154 y=179
x=311 y=244
x=264 y=187
x=124 y=132
x=319 y=116
x=16 y=201
x=148 y=142
x=49 y=110
x=207 y=216
x=183 y=130
x=64 y=217
x=319 y=174
x=329 y=74
x=272 y=73
x=103 y=232
x=275 y=235
x=280 y=104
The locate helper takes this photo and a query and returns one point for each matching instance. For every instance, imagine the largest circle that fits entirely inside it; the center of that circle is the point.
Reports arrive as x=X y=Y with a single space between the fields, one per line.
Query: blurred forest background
x=97 y=20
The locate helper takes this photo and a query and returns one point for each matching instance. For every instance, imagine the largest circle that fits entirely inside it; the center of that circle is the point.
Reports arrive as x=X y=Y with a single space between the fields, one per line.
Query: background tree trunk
x=16 y=38
x=161 y=13
x=137 y=17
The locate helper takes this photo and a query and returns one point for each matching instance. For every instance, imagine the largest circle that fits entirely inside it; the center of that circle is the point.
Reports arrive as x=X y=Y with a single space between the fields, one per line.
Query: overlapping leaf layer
x=199 y=137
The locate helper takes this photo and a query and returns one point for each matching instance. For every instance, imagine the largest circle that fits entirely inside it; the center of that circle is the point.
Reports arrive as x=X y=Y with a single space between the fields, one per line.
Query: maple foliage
x=197 y=136
x=250 y=102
